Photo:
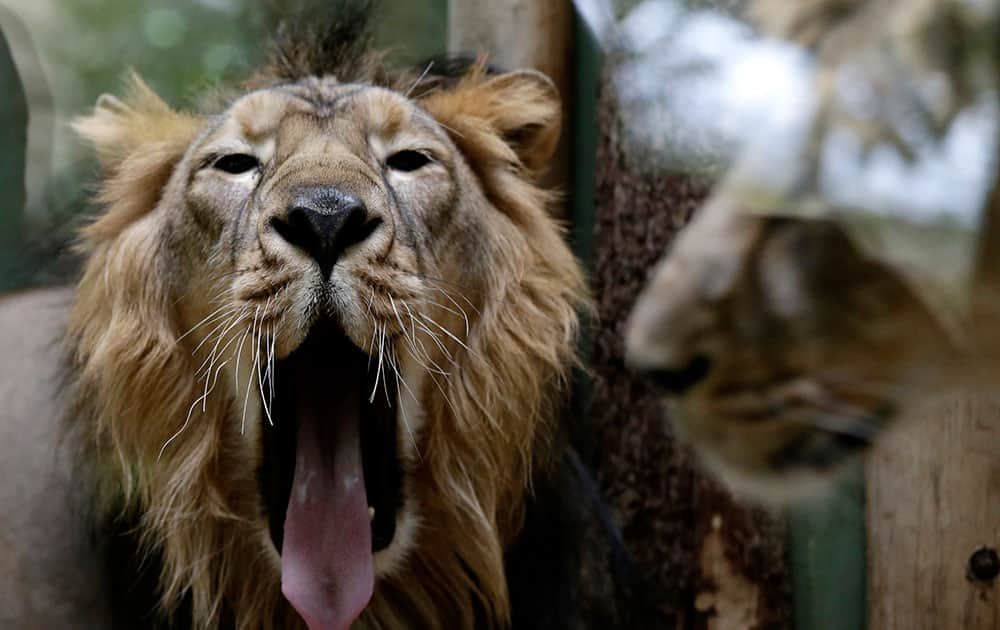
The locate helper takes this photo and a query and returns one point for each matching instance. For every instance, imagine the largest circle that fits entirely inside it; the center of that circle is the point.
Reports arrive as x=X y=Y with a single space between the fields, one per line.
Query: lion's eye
x=407 y=161
x=236 y=163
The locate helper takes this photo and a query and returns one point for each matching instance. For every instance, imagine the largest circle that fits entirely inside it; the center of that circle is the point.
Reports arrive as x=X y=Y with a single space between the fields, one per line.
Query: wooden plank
x=934 y=500
x=515 y=33
x=521 y=34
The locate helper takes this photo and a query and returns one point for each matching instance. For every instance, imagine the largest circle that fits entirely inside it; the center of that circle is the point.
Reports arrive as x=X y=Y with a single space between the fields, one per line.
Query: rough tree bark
x=714 y=563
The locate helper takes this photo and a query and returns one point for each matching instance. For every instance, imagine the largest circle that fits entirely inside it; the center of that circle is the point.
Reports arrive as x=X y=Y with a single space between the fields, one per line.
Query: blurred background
x=66 y=53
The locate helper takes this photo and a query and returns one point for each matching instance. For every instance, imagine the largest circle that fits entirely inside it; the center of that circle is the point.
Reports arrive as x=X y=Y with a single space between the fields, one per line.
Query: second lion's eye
x=236 y=163
x=407 y=161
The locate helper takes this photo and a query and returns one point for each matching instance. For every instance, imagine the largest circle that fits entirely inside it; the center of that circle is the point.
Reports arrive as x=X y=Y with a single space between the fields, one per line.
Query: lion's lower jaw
x=423 y=580
x=763 y=483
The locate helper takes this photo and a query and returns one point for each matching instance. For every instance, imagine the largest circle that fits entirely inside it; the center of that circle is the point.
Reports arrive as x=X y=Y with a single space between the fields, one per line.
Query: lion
x=782 y=351
x=320 y=341
x=783 y=347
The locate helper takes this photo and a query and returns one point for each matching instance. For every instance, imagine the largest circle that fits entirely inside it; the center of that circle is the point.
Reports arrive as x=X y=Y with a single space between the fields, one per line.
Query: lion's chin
x=330 y=476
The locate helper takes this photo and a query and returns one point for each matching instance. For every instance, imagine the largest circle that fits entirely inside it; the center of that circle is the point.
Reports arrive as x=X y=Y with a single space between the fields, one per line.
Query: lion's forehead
x=320 y=107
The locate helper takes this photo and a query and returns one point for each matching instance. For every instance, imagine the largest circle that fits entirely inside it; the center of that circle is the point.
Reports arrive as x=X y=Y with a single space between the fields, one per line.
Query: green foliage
x=181 y=48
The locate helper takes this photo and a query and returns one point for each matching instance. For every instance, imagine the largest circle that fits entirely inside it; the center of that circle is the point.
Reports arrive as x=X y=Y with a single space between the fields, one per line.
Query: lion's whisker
x=378 y=370
x=422 y=350
x=413 y=342
x=217 y=313
x=444 y=394
x=427 y=356
x=419 y=79
x=173 y=437
x=260 y=377
x=384 y=346
x=213 y=357
x=253 y=366
x=437 y=341
x=452 y=336
x=215 y=330
x=435 y=121
x=402 y=326
x=436 y=336
x=401 y=383
x=413 y=326
x=239 y=353
x=215 y=380
x=214 y=354
x=460 y=313
x=371 y=345
x=201 y=399
x=234 y=322
x=439 y=285
x=448 y=309
x=271 y=365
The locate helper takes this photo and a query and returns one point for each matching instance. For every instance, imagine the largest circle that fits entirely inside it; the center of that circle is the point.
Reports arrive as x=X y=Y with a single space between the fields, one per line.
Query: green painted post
x=586 y=83
x=827 y=558
x=14 y=140
x=582 y=211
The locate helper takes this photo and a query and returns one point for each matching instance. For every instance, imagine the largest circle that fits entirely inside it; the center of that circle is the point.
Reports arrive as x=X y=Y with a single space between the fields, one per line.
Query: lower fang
x=371 y=513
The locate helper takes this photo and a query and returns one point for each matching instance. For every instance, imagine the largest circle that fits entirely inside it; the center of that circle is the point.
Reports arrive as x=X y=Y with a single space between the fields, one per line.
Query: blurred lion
x=783 y=348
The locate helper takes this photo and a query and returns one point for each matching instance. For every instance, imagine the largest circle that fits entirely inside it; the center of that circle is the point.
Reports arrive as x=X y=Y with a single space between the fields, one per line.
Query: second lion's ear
x=514 y=117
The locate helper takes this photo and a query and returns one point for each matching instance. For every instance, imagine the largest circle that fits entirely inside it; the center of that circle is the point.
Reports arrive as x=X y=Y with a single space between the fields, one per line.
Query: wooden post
x=933 y=503
x=521 y=34
x=515 y=33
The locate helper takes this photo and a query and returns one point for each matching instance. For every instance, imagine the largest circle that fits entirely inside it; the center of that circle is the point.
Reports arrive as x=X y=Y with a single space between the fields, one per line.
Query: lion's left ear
x=514 y=117
x=138 y=139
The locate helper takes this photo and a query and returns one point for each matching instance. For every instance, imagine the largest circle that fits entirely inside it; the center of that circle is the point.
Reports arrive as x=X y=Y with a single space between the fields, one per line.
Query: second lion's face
x=780 y=348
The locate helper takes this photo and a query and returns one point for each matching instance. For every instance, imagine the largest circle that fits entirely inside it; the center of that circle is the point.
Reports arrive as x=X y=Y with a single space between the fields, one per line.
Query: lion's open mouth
x=330 y=476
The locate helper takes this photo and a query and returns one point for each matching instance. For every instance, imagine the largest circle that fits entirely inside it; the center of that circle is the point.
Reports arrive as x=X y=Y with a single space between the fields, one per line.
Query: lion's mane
x=197 y=505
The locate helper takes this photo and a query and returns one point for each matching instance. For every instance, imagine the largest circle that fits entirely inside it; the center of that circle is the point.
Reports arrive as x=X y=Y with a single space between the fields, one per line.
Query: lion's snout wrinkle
x=325 y=221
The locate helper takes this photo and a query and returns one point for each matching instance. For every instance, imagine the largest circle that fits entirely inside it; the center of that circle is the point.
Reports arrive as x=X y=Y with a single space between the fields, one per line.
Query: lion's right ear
x=138 y=139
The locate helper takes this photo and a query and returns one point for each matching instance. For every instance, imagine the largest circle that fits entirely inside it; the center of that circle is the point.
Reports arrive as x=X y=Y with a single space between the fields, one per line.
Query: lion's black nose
x=324 y=221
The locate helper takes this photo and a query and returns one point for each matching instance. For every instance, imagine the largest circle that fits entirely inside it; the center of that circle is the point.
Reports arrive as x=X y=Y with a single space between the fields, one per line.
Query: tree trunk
x=714 y=563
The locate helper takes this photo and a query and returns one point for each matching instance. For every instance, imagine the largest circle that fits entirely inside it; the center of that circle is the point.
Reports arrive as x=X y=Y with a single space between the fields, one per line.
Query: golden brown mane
x=197 y=502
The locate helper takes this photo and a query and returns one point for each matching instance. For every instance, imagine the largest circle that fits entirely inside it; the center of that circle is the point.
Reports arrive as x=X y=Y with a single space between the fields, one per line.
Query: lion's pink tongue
x=326 y=556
